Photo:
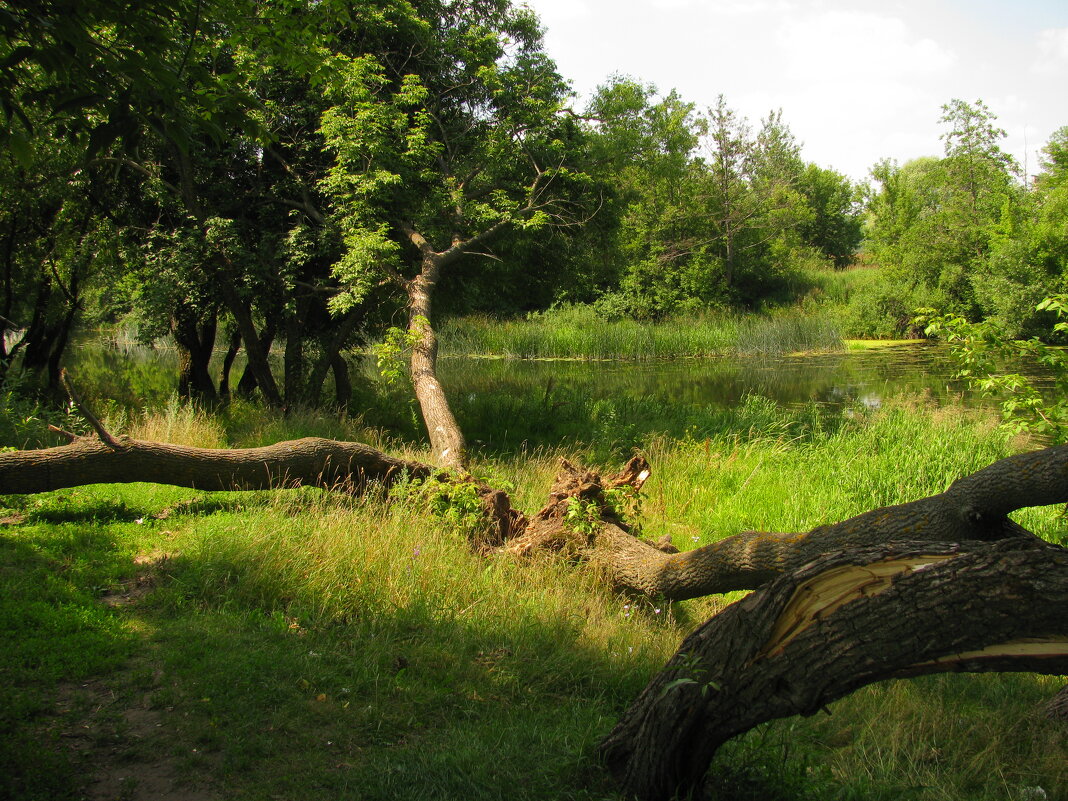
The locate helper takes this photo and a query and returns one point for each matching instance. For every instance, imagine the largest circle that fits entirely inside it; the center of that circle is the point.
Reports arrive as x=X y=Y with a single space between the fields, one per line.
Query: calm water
x=842 y=378
x=506 y=404
x=136 y=376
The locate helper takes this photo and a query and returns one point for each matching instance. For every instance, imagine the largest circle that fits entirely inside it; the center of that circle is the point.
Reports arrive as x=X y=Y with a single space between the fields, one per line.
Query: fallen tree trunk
x=332 y=465
x=842 y=609
x=310 y=462
x=844 y=621
x=974 y=508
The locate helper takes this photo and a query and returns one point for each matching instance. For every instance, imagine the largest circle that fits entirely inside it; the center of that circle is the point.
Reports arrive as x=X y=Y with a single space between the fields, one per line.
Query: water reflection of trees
x=509 y=404
x=837 y=379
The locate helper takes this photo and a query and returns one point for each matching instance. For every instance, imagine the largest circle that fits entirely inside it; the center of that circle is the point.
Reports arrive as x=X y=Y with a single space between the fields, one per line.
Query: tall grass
x=836 y=287
x=577 y=332
x=306 y=645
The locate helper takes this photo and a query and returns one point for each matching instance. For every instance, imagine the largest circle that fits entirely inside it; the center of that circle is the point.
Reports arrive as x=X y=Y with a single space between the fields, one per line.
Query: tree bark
x=195 y=340
x=332 y=465
x=247 y=384
x=446 y=439
x=342 y=382
x=294 y=357
x=330 y=359
x=975 y=507
x=227 y=365
x=258 y=363
x=846 y=620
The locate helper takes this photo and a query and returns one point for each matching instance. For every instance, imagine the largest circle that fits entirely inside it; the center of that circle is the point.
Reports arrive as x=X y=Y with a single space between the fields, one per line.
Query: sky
x=857 y=80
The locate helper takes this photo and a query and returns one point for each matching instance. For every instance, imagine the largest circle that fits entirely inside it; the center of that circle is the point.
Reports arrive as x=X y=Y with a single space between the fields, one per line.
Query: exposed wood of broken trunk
x=846 y=620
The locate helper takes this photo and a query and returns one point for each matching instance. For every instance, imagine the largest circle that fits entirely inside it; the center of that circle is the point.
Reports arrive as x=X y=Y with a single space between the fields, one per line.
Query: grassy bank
x=302 y=645
x=577 y=332
x=825 y=306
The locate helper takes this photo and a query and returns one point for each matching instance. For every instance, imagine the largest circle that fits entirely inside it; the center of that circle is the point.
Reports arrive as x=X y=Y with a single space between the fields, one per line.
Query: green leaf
x=17 y=56
x=672 y=685
x=20 y=148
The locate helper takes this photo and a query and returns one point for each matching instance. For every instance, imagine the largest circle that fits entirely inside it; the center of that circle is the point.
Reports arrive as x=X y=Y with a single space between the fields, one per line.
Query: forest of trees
x=968 y=232
x=275 y=174
x=293 y=175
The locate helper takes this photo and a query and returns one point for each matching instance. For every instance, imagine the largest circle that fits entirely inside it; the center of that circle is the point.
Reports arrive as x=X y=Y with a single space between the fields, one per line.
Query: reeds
x=577 y=332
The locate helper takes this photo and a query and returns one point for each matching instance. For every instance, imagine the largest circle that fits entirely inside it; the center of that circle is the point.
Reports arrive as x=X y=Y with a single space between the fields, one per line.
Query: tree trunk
x=846 y=620
x=59 y=346
x=195 y=340
x=41 y=332
x=342 y=382
x=294 y=357
x=975 y=507
x=247 y=383
x=258 y=363
x=330 y=359
x=227 y=365
x=446 y=438
x=311 y=461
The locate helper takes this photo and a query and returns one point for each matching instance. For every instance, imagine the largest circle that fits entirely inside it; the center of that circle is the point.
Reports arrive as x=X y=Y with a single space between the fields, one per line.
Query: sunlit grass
x=178 y=423
x=313 y=645
x=577 y=332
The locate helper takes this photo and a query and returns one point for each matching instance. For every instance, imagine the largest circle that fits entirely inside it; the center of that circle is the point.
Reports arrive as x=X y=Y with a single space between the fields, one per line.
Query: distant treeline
x=270 y=174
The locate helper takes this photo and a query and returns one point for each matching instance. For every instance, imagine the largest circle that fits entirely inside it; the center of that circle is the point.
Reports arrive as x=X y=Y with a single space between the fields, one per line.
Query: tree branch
x=87 y=413
x=844 y=621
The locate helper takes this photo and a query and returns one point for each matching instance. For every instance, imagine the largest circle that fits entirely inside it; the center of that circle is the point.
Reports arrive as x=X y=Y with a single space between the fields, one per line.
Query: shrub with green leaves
x=986 y=354
x=455 y=502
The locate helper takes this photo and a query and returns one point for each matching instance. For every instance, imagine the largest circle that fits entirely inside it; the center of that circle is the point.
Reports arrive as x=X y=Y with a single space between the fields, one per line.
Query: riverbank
x=577 y=332
x=825 y=309
x=323 y=647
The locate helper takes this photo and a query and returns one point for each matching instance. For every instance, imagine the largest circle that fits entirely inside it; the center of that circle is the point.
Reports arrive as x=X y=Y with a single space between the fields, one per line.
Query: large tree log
x=975 y=507
x=846 y=620
x=312 y=461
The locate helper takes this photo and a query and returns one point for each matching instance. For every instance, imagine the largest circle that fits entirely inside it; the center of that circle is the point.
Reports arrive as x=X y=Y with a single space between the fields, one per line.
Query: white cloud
x=1052 y=52
x=749 y=8
x=856 y=46
x=858 y=80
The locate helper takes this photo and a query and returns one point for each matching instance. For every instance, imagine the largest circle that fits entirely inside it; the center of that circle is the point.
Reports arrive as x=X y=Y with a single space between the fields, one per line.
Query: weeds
x=577 y=332
x=311 y=645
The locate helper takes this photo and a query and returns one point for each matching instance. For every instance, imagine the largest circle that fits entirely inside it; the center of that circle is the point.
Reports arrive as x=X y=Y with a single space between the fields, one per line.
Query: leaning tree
x=440 y=146
x=439 y=149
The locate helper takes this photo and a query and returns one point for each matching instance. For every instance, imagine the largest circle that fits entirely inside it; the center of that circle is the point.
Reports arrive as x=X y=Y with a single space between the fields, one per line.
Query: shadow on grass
x=54 y=630
x=98 y=505
x=388 y=711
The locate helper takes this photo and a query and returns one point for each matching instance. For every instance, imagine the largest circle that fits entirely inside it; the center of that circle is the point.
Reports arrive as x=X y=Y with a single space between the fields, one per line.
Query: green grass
x=305 y=645
x=577 y=332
